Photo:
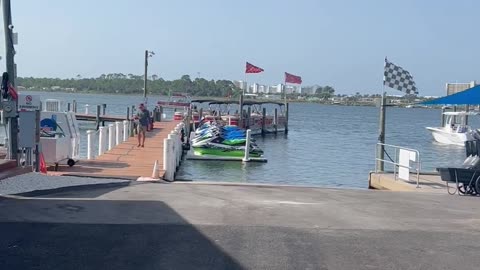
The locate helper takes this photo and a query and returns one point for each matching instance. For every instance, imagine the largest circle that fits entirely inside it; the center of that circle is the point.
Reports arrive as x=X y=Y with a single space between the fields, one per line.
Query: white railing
x=106 y=138
x=172 y=152
x=401 y=161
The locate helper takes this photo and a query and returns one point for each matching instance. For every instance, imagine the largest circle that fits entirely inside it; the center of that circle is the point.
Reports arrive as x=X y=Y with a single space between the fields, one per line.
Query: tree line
x=132 y=84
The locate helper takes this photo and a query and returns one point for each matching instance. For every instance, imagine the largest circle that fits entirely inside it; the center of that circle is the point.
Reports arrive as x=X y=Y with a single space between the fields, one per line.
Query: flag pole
x=380 y=166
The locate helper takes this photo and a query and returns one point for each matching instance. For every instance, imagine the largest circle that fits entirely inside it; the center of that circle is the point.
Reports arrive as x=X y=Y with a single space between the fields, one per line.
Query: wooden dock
x=428 y=182
x=126 y=160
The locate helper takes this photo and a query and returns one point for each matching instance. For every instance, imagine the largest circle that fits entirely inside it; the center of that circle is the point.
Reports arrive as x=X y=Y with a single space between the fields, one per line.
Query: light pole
x=10 y=68
x=147 y=55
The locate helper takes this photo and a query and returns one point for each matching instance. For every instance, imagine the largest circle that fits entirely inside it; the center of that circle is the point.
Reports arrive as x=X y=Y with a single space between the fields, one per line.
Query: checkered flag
x=397 y=78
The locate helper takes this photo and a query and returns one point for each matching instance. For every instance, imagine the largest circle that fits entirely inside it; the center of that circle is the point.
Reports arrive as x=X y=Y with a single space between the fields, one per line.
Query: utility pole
x=145 y=76
x=10 y=66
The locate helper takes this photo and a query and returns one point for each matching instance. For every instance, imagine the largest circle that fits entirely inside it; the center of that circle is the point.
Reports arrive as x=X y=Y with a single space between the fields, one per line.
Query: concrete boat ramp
x=220 y=226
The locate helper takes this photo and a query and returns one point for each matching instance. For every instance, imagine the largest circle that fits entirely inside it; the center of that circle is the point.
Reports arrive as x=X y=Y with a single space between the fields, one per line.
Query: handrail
x=395 y=162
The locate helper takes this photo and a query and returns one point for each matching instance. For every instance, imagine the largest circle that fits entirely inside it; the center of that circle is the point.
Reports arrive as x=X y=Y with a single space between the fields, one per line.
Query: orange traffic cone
x=43 y=165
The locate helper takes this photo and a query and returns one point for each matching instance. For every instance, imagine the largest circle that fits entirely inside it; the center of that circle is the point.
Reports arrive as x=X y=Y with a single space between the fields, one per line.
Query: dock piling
x=111 y=136
x=68 y=107
x=97 y=118
x=128 y=113
x=118 y=132
x=104 y=112
x=249 y=113
x=287 y=110
x=90 y=134
x=264 y=118
x=125 y=130
x=74 y=106
x=246 y=157
x=87 y=109
x=102 y=140
x=275 y=121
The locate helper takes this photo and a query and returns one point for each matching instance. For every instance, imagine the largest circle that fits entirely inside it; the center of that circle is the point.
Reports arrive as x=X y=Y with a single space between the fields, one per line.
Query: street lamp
x=147 y=55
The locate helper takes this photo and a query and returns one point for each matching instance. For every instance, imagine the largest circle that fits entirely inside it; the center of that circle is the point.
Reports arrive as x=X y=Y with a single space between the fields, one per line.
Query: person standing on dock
x=143 y=117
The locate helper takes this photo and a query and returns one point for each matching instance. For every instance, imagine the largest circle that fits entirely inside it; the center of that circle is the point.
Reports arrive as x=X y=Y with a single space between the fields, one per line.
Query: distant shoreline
x=222 y=98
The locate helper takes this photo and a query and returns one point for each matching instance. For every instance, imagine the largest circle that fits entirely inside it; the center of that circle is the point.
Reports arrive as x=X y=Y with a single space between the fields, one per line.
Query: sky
x=341 y=43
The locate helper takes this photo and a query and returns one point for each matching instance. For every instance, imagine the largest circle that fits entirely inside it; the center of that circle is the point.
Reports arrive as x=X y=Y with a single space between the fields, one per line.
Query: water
x=326 y=145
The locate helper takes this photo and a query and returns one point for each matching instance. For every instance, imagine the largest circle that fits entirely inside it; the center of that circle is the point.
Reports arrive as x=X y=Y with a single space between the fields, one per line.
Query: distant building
x=254 y=88
x=241 y=84
x=453 y=88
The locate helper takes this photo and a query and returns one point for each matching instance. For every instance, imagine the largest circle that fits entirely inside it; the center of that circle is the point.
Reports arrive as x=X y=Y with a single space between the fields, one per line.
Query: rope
x=385 y=151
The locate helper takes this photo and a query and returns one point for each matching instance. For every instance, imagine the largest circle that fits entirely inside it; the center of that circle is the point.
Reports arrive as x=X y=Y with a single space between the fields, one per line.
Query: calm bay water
x=326 y=145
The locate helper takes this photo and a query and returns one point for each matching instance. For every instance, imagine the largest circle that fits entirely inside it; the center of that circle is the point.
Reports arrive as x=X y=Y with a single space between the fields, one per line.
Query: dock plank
x=126 y=160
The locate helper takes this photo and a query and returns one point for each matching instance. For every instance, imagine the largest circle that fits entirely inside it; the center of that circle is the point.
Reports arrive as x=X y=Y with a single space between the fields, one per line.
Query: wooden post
x=104 y=110
x=240 y=104
x=248 y=120
x=454 y=117
x=200 y=116
x=264 y=118
x=161 y=113
x=286 y=117
x=128 y=113
x=380 y=166
x=97 y=117
x=275 y=121
x=133 y=111
x=467 y=109
x=68 y=107
x=74 y=105
x=443 y=116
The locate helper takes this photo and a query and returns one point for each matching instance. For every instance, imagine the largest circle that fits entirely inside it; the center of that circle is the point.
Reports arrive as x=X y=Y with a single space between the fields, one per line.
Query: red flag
x=252 y=69
x=290 y=78
x=12 y=92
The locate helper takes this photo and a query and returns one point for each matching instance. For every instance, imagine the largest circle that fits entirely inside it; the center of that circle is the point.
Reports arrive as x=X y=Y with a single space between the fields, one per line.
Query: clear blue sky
x=337 y=43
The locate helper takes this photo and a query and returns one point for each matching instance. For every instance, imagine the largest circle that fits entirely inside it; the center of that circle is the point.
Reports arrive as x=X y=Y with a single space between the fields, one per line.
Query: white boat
x=455 y=131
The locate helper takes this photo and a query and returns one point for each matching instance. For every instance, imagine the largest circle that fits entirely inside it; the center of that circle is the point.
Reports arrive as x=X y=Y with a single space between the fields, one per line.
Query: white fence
x=172 y=152
x=105 y=138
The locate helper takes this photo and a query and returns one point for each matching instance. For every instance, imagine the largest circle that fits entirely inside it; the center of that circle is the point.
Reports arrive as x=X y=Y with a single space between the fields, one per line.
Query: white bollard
x=102 y=140
x=118 y=132
x=90 y=134
x=111 y=136
x=170 y=171
x=165 y=154
x=246 y=158
x=86 y=108
x=125 y=130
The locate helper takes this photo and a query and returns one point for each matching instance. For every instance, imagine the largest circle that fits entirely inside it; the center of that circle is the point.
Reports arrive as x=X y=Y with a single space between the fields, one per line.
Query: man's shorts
x=141 y=128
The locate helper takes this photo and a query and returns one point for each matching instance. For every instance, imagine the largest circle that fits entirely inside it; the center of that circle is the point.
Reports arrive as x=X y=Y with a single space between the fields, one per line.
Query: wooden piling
x=275 y=121
x=286 y=117
x=97 y=118
x=68 y=107
x=240 y=104
x=128 y=113
x=104 y=112
x=74 y=106
x=264 y=119
x=248 y=120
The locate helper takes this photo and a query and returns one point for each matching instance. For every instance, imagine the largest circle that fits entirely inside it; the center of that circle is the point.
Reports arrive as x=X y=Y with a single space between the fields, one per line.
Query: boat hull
x=445 y=137
x=223 y=152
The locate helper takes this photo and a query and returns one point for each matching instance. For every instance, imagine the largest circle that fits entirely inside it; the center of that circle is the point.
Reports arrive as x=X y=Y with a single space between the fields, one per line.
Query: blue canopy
x=468 y=97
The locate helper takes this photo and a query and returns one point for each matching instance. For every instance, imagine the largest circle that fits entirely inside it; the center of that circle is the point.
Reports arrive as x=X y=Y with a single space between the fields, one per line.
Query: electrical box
x=9 y=109
x=27 y=135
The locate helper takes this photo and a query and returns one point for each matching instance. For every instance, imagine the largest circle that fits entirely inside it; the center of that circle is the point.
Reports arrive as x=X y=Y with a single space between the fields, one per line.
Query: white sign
x=28 y=102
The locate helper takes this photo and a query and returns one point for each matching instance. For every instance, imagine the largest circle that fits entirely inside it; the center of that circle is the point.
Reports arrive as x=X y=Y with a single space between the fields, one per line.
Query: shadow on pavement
x=85 y=234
